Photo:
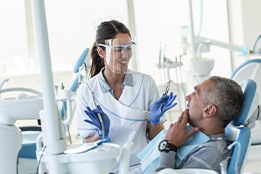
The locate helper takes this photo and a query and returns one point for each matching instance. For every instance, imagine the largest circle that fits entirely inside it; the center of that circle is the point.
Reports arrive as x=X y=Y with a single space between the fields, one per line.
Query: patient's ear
x=210 y=111
x=101 y=52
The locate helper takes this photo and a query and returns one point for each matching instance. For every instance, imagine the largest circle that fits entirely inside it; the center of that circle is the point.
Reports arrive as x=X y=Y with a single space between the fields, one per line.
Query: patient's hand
x=177 y=134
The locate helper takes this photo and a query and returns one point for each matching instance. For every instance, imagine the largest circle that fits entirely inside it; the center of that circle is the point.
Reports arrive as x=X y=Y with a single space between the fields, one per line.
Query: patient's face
x=195 y=103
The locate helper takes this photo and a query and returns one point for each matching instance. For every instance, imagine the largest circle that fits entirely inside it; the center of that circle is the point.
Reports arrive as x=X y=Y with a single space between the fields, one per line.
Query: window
x=72 y=25
x=71 y=28
x=159 y=25
x=13 y=37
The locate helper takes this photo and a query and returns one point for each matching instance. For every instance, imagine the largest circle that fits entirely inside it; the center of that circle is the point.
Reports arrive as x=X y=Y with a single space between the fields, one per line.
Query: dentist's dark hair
x=106 y=30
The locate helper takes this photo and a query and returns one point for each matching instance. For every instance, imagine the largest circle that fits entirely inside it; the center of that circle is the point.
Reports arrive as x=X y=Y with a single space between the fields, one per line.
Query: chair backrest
x=238 y=131
x=251 y=69
x=77 y=67
x=77 y=78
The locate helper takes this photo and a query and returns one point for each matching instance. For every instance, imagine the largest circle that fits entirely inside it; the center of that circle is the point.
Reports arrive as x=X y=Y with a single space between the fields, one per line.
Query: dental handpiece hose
x=102 y=124
x=100 y=117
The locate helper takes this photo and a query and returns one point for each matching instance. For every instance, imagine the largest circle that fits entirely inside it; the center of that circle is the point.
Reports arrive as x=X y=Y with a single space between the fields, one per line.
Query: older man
x=213 y=104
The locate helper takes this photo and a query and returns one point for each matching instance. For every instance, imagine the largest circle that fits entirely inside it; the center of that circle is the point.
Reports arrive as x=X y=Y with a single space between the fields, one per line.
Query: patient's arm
x=167 y=160
x=207 y=156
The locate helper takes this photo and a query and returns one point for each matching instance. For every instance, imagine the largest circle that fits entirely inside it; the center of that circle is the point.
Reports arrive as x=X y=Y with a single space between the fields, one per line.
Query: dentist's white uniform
x=128 y=116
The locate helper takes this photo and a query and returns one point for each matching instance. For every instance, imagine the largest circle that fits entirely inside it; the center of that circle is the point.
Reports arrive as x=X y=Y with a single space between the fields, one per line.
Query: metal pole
x=55 y=139
x=192 y=42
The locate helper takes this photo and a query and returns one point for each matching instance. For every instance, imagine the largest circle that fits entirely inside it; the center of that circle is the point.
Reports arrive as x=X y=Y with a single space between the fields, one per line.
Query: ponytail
x=97 y=61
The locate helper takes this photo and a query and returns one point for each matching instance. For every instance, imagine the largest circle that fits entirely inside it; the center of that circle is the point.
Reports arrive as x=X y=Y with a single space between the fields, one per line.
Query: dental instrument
x=86 y=147
x=99 y=116
x=167 y=64
x=165 y=93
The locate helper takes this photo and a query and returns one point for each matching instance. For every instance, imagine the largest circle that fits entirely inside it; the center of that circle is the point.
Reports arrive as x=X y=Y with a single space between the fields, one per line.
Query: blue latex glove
x=93 y=115
x=160 y=106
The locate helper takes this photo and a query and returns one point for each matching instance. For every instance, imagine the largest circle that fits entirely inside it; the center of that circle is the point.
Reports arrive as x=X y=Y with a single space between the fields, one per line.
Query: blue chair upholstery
x=238 y=132
x=251 y=69
x=28 y=148
x=81 y=60
x=76 y=81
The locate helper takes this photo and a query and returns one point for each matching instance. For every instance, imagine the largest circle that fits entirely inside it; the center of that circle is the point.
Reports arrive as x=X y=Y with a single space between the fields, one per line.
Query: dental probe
x=165 y=93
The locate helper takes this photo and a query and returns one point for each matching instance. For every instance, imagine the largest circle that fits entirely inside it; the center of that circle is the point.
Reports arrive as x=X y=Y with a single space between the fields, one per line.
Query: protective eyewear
x=119 y=48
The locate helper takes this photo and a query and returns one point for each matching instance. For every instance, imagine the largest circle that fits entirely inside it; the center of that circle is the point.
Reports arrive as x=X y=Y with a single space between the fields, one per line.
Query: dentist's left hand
x=93 y=115
x=167 y=102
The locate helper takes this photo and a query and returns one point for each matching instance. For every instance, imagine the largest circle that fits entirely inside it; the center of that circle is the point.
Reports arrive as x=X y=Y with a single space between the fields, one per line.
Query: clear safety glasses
x=119 y=48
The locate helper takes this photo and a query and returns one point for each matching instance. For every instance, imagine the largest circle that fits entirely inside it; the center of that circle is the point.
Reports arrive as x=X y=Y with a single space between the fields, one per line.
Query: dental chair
x=251 y=69
x=238 y=133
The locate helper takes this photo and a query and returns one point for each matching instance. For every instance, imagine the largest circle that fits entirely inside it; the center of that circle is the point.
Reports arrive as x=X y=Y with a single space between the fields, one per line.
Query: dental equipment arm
x=197 y=40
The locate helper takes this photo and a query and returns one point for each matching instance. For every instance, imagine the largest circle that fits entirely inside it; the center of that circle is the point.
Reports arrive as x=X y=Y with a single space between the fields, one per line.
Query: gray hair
x=227 y=96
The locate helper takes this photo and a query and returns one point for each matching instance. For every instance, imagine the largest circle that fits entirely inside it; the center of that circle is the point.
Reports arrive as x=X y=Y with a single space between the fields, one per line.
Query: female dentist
x=116 y=102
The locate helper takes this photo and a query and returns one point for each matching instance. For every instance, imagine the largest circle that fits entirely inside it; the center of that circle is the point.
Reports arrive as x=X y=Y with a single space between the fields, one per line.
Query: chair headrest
x=250 y=102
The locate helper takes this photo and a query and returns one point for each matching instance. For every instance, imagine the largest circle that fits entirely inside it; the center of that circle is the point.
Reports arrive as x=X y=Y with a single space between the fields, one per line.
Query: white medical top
x=128 y=115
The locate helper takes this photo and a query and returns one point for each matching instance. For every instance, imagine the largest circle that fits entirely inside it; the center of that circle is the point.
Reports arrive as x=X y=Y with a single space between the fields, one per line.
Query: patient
x=212 y=105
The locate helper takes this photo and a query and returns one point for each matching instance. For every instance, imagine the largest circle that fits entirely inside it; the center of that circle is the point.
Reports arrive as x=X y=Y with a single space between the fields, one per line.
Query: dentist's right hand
x=157 y=110
x=93 y=115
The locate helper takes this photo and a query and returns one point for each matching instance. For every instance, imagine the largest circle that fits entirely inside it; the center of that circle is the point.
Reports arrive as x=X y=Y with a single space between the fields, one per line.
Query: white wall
x=245 y=17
